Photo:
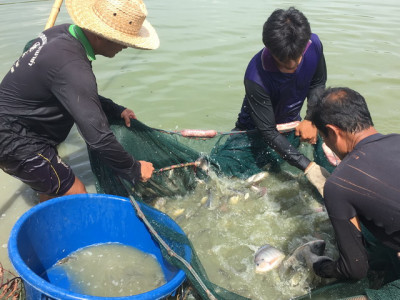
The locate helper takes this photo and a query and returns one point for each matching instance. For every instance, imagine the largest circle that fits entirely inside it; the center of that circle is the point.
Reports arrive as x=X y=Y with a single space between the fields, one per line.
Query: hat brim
x=82 y=15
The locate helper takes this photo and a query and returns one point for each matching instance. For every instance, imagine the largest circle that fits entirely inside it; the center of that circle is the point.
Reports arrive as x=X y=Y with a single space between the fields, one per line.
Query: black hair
x=342 y=107
x=286 y=34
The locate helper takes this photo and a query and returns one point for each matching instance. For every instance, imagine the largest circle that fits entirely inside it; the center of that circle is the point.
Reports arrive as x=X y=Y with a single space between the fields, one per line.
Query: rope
x=164 y=244
x=208 y=133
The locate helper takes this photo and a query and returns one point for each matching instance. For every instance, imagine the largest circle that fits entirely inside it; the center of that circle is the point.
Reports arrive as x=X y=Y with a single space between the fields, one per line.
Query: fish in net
x=184 y=158
x=181 y=160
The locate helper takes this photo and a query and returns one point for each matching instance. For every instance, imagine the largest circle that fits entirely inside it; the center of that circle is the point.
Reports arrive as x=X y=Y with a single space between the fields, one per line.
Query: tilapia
x=267 y=258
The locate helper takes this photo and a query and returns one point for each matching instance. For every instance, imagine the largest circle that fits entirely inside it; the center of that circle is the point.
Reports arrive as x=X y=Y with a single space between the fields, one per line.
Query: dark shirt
x=50 y=88
x=273 y=97
x=366 y=184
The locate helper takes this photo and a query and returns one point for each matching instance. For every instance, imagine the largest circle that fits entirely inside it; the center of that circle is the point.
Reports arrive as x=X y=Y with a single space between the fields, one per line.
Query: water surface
x=109 y=270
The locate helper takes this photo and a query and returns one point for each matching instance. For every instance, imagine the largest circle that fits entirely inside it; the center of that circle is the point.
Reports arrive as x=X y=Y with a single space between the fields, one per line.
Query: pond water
x=195 y=80
x=109 y=270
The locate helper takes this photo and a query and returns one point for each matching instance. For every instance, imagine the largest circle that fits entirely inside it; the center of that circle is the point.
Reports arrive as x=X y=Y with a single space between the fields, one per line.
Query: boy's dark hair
x=286 y=34
x=342 y=107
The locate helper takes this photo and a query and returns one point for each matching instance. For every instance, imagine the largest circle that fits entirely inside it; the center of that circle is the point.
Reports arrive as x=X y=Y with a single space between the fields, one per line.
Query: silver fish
x=256 y=177
x=267 y=258
x=210 y=200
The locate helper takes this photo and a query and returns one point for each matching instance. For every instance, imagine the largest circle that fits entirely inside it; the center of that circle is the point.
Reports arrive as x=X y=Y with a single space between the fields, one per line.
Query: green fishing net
x=232 y=154
x=181 y=159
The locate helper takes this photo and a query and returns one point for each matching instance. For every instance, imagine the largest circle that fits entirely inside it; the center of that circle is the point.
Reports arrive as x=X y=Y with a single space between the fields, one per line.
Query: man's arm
x=116 y=111
x=262 y=114
x=111 y=109
x=353 y=261
x=353 y=257
x=78 y=95
x=306 y=130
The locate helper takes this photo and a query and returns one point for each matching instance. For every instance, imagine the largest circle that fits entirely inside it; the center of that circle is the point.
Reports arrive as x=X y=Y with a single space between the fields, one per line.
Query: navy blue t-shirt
x=273 y=97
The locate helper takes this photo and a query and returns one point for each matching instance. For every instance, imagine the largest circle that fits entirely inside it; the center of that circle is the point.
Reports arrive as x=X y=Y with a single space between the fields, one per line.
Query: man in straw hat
x=290 y=68
x=51 y=87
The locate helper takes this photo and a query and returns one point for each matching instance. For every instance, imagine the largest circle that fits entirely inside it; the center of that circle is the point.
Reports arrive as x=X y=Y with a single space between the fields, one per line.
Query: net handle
x=53 y=14
x=183 y=165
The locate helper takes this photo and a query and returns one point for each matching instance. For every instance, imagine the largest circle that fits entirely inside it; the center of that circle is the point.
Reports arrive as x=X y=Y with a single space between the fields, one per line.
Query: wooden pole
x=54 y=13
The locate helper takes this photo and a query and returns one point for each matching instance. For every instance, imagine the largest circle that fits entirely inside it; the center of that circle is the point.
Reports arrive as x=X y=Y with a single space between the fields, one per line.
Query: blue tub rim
x=52 y=290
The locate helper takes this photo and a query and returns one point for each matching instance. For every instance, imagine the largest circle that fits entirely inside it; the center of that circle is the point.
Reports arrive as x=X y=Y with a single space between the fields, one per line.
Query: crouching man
x=363 y=192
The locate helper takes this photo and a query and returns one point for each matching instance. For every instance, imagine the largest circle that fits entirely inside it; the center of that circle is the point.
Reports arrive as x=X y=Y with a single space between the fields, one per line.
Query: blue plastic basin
x=54 y=229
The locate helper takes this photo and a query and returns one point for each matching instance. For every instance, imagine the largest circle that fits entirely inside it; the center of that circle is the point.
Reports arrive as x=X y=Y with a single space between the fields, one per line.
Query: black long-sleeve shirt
x=50 y=88
x=364 y=185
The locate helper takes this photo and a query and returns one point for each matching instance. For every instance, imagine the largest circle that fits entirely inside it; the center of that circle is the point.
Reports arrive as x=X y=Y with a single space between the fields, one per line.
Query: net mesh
x=237 y=154
x=181 y=161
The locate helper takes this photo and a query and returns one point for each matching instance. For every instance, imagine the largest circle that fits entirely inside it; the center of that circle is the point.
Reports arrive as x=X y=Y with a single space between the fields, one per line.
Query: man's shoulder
x=61 y=48
x=257 y=57
x=315 y=38
x=315 y=43
x=369 y=155
x=378 y=140
x=254 y=66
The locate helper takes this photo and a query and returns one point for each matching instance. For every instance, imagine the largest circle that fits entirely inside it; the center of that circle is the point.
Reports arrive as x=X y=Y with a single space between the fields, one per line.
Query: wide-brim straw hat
x=120 y=21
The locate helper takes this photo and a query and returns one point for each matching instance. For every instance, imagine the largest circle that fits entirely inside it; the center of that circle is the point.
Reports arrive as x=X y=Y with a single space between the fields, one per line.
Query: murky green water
x=194 y=80
x=227 y=220
x=110 y=270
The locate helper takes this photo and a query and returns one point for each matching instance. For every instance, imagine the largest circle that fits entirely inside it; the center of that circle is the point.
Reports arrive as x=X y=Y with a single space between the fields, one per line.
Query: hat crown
x=126 y=16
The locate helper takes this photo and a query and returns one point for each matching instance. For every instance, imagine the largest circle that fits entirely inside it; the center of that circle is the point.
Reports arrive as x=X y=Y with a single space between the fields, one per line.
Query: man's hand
x=146 y=170
x=312 y=259
x=307 y=132
x=317 y=175
x=127 y=115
